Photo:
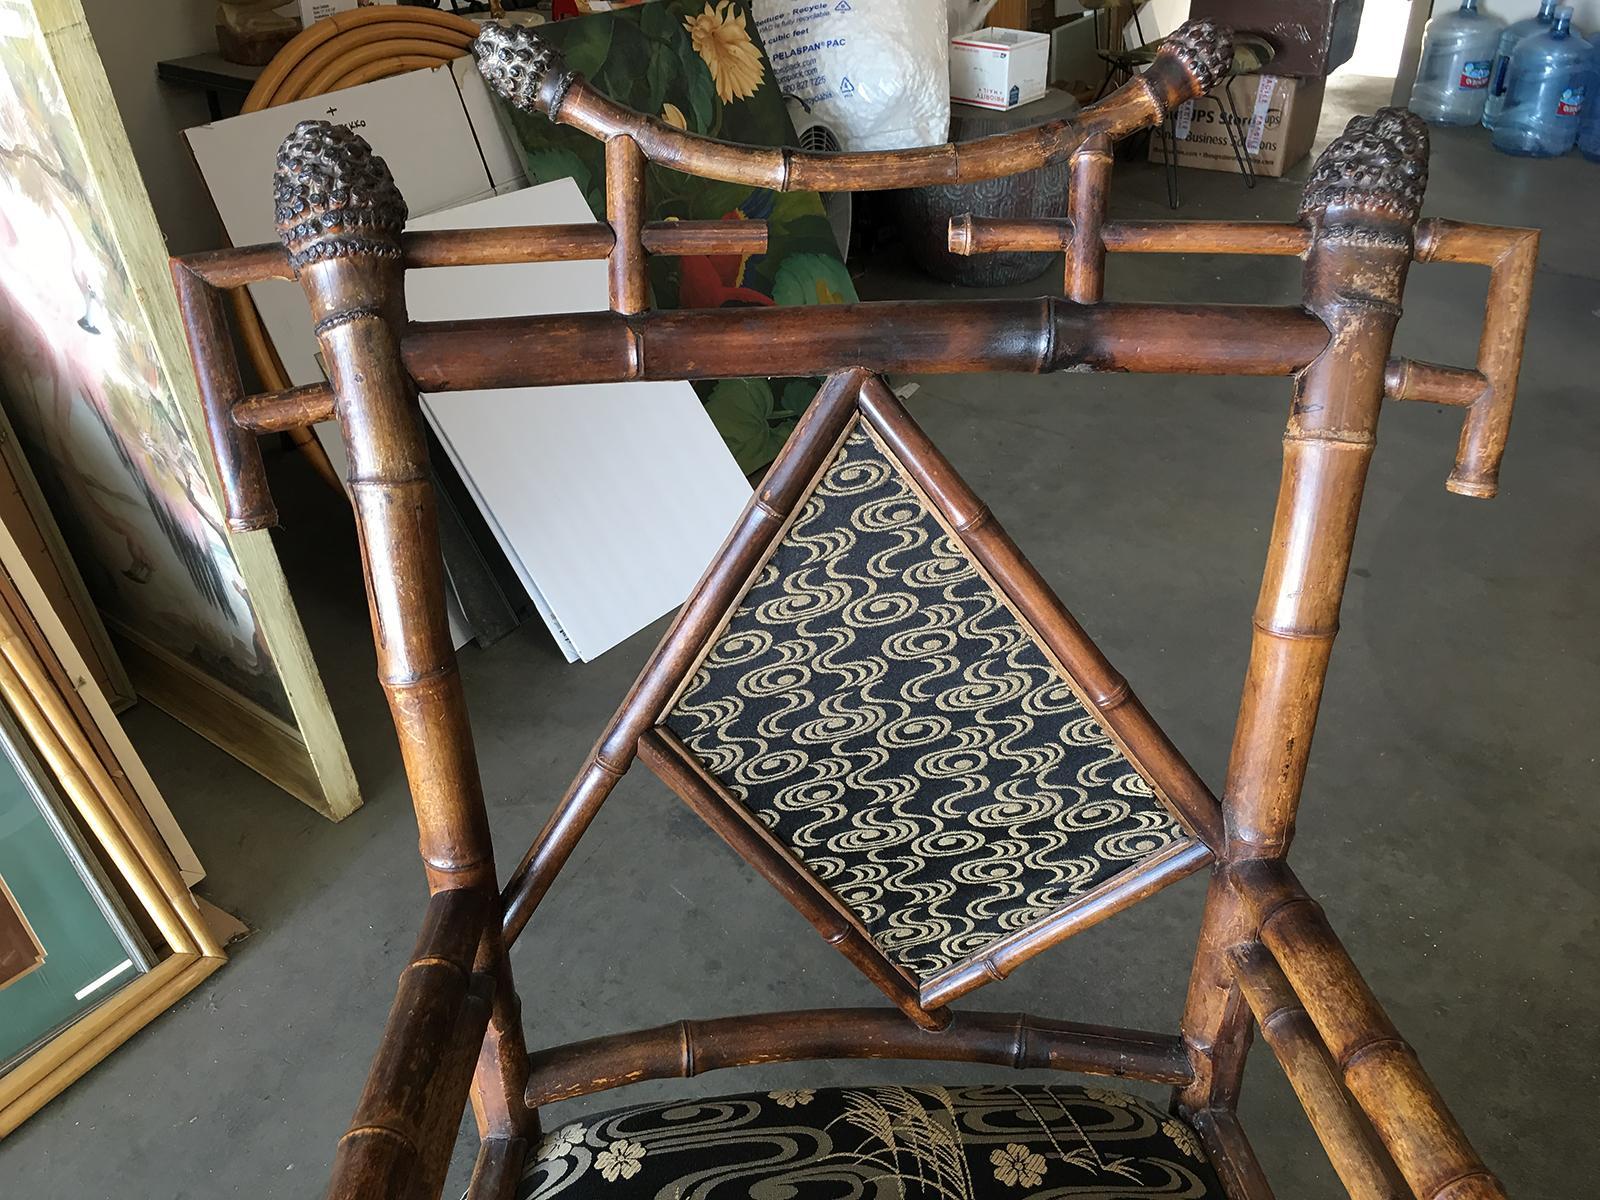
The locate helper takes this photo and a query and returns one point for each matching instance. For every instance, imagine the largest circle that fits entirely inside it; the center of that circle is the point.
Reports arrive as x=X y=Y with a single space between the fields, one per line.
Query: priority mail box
x=999 y=68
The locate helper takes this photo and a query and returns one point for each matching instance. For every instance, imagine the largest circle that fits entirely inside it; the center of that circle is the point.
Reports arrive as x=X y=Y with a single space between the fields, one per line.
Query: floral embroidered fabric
x=932 y=1143
x=879 y=706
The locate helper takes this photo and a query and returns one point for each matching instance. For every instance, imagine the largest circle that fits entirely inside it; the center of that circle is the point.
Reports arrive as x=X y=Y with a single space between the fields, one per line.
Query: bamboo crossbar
x=409 y=1111
x=1362 y=1166
x=498 y=246
x=688 y=1048
x=1377 y=1067
x=923 y=337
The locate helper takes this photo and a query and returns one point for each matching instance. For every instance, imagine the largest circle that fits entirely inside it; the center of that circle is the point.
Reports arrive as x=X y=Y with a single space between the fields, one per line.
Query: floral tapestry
x=698 y=64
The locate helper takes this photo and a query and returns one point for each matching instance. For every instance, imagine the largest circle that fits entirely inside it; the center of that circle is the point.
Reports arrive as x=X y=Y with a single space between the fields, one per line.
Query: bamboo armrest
x=530 y=74
x=400 y=1137
x=1373 y=1062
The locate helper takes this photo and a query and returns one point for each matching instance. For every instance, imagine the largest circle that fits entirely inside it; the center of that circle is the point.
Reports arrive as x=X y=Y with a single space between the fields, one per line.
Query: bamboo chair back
x=859 y=477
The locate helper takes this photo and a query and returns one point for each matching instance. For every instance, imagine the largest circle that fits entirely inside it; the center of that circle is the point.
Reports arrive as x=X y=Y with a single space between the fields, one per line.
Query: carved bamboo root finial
x=524 y=68
x=335 y=197
x=1378 y=165
x=1191 y=62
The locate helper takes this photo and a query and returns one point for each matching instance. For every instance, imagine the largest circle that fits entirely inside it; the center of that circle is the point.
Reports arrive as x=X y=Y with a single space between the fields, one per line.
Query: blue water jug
x=1453 y=73
x=1589 y=120
x=1509 y=41
x=1545 y=89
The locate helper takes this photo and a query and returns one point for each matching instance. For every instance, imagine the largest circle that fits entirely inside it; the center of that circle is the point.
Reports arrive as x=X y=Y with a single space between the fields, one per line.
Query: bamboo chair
x=861 y=522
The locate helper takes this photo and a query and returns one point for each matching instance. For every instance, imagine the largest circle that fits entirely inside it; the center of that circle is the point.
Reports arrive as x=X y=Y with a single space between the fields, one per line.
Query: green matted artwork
x=700 y=66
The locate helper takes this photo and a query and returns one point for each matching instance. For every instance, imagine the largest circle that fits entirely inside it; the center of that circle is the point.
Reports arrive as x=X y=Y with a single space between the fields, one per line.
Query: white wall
x=131 y=36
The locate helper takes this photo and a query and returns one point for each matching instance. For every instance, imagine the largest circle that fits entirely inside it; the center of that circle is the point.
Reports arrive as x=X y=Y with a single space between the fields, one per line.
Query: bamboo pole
x=922 y=336
x=1088 y=191
x=1360 y=205
x=625 y=207
x=1379 y=1069
x=340 y=216
x=1433 y=383
x=1359 y=1162
x=529 y=73
x=684 y=1049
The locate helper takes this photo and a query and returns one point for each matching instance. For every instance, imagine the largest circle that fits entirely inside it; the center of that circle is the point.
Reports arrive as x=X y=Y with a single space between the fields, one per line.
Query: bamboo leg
x=1379 y=1069
x=1360 y=1164
x=340 y=216
x=1361 y=205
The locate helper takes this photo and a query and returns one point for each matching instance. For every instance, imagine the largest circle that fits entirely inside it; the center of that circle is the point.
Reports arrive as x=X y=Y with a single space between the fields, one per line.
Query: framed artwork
x=102 y=934
x=82 y=942
x=700 y=66
x=105 y=407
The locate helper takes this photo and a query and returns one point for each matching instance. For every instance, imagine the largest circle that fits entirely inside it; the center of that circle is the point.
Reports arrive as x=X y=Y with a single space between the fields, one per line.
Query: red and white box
x=999 y=68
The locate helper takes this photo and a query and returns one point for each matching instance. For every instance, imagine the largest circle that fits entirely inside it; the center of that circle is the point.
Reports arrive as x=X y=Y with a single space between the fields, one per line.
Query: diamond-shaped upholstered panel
x=878 y=1143
x=879 y=706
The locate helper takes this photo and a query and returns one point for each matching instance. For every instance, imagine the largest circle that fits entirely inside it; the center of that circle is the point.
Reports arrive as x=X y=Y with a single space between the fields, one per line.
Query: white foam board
x=608 y=499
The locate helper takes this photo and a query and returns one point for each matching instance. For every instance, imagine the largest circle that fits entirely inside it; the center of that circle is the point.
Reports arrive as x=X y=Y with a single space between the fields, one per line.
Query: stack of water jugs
x=1527 y=82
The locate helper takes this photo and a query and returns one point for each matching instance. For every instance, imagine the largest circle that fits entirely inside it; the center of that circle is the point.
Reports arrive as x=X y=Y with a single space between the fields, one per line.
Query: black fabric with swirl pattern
x=880 y=707
x=879 y=1143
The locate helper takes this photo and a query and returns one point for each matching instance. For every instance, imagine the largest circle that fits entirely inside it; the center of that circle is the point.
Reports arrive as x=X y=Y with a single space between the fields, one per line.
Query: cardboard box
x=999 y=68
x=1279 y=118
x=312 y=11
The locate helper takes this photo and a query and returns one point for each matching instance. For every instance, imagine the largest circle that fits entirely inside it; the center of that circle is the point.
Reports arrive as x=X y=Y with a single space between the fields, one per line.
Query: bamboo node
x=334 y=197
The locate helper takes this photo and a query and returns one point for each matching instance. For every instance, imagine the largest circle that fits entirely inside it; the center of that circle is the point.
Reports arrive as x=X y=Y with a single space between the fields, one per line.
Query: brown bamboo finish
x=608 y=761
x=625 y=209
x=1357 y=236
x=1189 y=63
x=1361 y=220
x=343 y=239
x=432 y=1035
x=1231 y=1154
x=1101 y=685
x=839 y=927
x=1433 y=383
x=1380 y=1070
x=1362 y=1166
x=498 y=1169
x=684 y=1049
x=247 y=498
x=922 y=337
x=1512 y=256
x=274 y=412
x=1088 y=190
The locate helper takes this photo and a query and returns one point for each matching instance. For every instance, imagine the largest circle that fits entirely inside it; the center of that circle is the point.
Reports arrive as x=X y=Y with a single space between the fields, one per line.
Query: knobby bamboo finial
x=335 y=197
x=1378 y=165
x=517 y=63
x=1191 y=62
x=1205 y=49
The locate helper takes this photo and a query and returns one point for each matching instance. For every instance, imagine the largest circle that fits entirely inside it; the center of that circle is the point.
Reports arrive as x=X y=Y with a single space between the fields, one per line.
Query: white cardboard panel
x=417 y=121
x=608 y=499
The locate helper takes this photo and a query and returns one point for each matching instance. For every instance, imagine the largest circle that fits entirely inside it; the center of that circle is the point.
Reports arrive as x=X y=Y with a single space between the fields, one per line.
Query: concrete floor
x=1449 y=820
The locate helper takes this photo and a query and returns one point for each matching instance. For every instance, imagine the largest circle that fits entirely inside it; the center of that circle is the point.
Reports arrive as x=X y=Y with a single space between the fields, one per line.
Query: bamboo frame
x=1264 y=950
x=90 y=784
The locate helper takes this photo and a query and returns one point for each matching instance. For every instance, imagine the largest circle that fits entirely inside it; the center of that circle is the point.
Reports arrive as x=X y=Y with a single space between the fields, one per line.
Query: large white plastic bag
x=876 y=72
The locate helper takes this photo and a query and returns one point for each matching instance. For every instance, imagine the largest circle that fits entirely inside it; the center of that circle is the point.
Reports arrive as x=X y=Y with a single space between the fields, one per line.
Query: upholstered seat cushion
x=909 y=1143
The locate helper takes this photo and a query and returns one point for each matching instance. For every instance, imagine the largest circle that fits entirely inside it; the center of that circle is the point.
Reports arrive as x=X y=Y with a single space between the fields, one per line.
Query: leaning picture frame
x=117 y=835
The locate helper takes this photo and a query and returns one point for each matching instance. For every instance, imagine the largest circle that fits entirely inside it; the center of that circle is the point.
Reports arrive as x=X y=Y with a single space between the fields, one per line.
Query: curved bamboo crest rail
x=531 y=73
x=1265 y=953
